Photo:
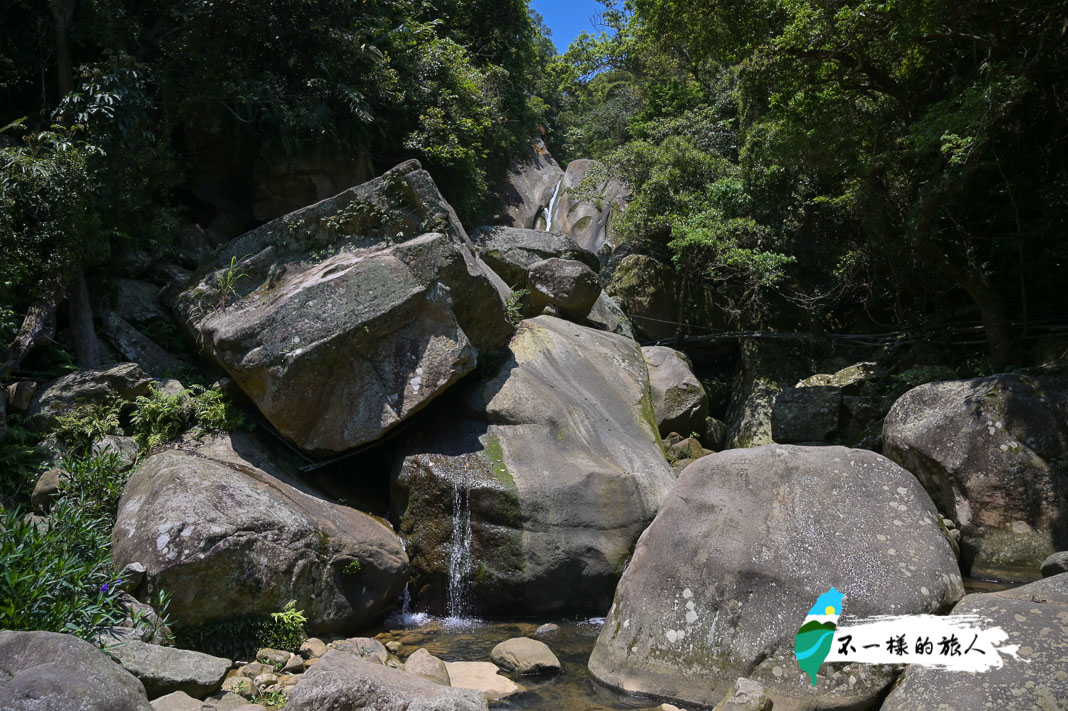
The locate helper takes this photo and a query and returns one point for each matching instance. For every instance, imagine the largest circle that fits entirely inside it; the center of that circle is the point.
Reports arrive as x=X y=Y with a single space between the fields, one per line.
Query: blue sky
x=567 y=18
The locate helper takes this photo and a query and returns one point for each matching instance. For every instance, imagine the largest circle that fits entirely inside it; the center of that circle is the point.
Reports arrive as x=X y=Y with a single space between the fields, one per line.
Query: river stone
x=993 y=454
x=524 y=655
x=228 y=530
x=124 y=381
x=369 y=305
x=47 y=671
x=363 y=647
x=511 y=252
x=555 y=461
x=179 y=701
x=426 y=665
x=1035 y=617
x=531 y=182
x=746 y=695
x=166 y=669
x=19 y=396
x=483 y=677
x=569 y=285
x=679 y=399
x=340 y=681
x=808 y=414
x=744 y=544
x=1055 y=564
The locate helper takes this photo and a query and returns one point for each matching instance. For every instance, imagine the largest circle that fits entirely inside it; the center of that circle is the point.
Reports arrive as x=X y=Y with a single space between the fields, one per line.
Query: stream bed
x=573 y=689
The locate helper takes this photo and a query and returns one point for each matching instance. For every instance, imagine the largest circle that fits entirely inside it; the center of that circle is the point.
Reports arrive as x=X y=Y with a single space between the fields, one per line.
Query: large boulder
x=745 y=543
x=587 y=218
x=1035 y=618
x=567 y=284
x=164 y=670
x=993 y=454
x=137 y=347
x=510 y=251
x=138 y=301
x=342 y=681
x=125 y=381
x=607 y=316
x=532 y=182
x=368 y=304
x=679 y=399
x=808 y=414
x=46 y=671
x=530 y=491
x=228 y=531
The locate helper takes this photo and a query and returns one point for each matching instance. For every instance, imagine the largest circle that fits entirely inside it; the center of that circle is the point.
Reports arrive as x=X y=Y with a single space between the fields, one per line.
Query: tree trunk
x=37 y=325
x=62 y=15
x=86 y=347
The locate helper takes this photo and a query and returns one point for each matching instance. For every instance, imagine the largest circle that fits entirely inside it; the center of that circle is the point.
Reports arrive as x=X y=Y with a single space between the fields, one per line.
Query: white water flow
x=552 y=206
x=460 y=562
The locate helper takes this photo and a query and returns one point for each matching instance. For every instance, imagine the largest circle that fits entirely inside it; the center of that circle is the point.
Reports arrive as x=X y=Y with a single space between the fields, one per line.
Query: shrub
x=242 y=637
x=95 y=485
x=84 y=425
x=58 y=576
x=19 y=462
x=159 y=418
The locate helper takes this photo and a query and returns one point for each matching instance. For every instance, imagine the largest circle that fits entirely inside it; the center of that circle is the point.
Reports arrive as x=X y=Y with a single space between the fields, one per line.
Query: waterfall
x=552 y=206
x=460 y=562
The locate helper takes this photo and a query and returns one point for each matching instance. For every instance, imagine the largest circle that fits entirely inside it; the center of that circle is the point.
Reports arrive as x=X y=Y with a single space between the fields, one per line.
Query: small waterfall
x=460 y=559
x=552 y=206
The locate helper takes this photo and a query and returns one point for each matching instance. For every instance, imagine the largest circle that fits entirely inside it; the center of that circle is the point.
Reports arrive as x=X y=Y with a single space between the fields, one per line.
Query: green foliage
x=94 y=484
x=84 y=425
x=515 y=305
x=353 y=567
x=243 y=637
x=19 y=462
x=159 y=418
x=228 y=280
x=58 y=576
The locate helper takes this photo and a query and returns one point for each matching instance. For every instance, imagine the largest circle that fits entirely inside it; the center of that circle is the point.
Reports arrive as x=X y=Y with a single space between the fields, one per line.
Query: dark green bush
x=242 y=637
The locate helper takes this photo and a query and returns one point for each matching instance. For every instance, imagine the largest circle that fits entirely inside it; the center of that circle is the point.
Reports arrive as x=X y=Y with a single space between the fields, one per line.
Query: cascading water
x=460 y=561
x=552 y=206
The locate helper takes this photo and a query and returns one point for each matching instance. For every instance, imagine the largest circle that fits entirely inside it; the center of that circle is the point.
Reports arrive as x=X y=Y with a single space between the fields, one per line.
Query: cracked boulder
x=344 y=318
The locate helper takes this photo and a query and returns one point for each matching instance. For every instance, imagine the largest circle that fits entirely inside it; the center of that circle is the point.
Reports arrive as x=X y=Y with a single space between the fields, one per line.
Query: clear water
x=552 y=206
x=471 y=640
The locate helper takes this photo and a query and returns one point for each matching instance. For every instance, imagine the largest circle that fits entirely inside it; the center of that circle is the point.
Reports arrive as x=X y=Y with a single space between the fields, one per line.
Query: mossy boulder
x=529 y=491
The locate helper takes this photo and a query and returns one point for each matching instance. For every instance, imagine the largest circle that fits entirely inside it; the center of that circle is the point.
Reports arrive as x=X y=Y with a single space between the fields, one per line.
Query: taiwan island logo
x=955 y=642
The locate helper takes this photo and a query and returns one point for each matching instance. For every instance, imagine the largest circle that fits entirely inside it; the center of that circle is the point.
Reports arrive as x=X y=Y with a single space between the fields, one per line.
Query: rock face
x=136 y=347
x=227 y=531
x=511 y=251
x=341 y=681
x=45 y=671
x=86 y=387
x=569 y=285
x=369 y=304
x=524 y=655
x=745 y=542
x=1055 y=564
x=645 y=289
x=544 y=474
x=1035 y=617
x=808 y=414
x=531 y=184
x=428 y=666
x=164 y=670
x=589 y=222
x=679 y=399
x=992 y=453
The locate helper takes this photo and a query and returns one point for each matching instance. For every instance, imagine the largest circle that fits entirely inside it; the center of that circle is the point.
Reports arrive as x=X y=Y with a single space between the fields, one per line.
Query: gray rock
x=164 y=670
x=483 y=677
x=363 y=647
x=178 y=701
x=426 y=665
x=524 y=655
x=555 y=459
x=232 y=520
x=275 y=657
x=588 y=222
x=1034 y=617
x=1056 y=564
x=511 y=252
x=745 y=542
x=746 y=695
x=137 y=347
x=645 y=289
x=679 y=399
x=342 y=681
x=569 y=285
x=547 y=630
x=46 y=490
x=531 y=184
x=137 y=302
x=225 y=700
x=848 y=379
x=992 y=453
x=714 y=434
x=19 y=395
x=312 y=648
x=293 y=181
x=371 y=333
x=125 y=381
x=126 y=449
x=607 y=316
x=46 y=671
x=808 y=414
